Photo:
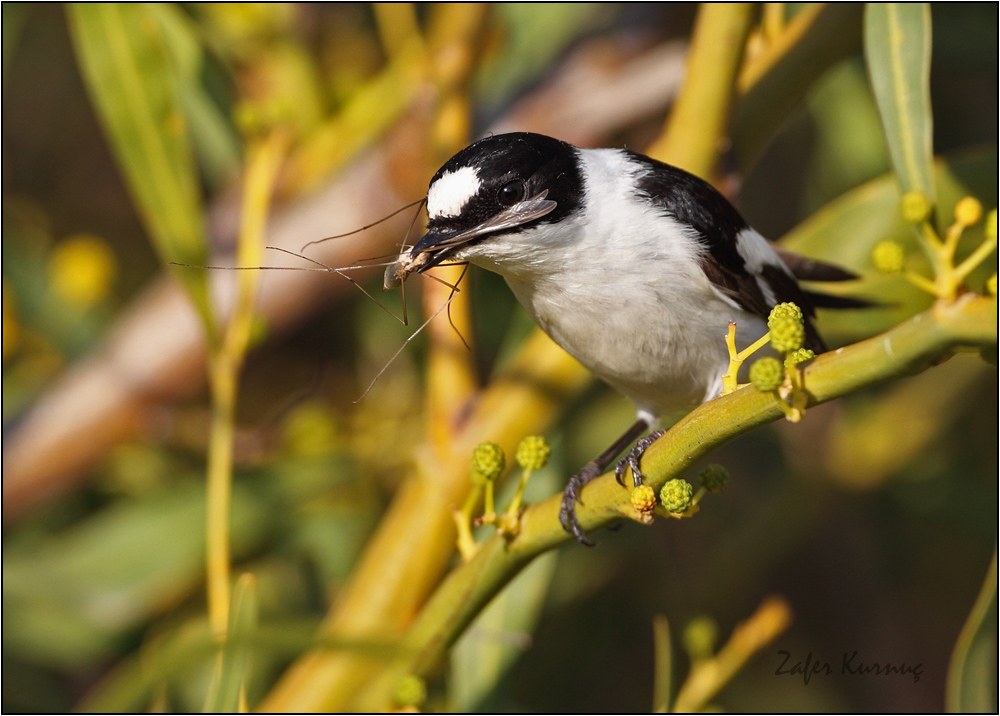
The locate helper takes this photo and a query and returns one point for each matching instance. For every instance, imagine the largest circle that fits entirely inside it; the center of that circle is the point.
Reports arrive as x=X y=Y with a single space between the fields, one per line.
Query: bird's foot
x=634 y=456
x=571 y=495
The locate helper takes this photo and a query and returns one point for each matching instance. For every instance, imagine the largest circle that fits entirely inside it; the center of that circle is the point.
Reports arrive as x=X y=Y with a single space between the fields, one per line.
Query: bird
x=633 y=266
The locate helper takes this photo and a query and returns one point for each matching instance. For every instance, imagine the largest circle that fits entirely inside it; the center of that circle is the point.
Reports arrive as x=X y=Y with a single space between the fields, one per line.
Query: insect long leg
x=413 y=221
x=340 y=272
x=454 y=290
x=405 y=343
x=367 y=226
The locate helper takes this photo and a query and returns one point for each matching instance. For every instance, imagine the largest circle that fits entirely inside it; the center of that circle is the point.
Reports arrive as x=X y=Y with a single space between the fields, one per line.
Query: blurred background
x=875 y=518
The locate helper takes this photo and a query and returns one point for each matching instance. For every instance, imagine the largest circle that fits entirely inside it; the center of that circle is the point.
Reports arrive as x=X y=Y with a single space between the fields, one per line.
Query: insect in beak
x=437 y=246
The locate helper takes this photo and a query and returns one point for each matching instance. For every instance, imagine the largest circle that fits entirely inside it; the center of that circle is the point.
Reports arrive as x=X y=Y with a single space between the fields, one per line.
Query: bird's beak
x=436 y=246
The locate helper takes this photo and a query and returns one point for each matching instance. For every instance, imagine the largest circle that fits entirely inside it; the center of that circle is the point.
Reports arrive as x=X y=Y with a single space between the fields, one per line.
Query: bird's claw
x=571 y=495
x=634 y=456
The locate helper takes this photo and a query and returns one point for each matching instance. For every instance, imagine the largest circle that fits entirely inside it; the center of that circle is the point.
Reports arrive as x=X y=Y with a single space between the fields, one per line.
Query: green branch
x=909 y=348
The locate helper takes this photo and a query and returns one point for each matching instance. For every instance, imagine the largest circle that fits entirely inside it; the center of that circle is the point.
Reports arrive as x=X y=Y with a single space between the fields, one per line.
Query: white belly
x=662 y=346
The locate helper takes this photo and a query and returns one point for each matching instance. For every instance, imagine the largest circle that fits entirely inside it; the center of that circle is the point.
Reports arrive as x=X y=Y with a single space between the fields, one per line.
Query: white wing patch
x=449 y=194
x=757 y=253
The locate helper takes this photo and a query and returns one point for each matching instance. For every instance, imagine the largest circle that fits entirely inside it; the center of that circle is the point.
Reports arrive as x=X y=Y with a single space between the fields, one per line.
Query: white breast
x=619 y=286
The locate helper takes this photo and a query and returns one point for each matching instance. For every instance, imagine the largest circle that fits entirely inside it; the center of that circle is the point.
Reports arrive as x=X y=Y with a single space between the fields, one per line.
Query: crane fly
x=397 y=271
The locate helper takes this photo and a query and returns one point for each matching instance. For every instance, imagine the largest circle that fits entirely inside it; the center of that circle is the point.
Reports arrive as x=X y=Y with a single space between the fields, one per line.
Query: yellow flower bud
x=310 y=429
x=968 y=211
x=643 y=498
x=82 y=270
x=410 y=691
x=915 y=207
x=889 y=256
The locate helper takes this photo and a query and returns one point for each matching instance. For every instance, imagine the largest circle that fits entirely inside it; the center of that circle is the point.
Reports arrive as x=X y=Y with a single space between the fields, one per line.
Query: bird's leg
x=594 y=468
x=634 y=456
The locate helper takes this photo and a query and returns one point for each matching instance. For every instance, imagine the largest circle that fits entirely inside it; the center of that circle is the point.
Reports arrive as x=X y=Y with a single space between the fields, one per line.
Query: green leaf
x=662 y=665
x=502 y=632
x=224 y=694
x=215 y=140
x=773 y=86
x=536 y=34
x=898 y=54
x=72 y=597
x=844 y=231
x=129 y=71
x=178 y=654
x=971 y=685
x=499 y=635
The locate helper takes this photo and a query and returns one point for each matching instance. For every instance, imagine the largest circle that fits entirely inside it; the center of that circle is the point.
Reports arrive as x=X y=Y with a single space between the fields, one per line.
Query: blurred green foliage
x=875 y=518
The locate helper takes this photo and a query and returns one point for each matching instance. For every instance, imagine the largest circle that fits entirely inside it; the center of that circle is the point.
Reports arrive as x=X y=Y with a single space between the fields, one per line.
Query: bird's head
x=486 y=200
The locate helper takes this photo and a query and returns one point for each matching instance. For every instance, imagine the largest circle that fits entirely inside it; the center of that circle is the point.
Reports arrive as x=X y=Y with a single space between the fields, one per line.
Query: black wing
x=696 y=203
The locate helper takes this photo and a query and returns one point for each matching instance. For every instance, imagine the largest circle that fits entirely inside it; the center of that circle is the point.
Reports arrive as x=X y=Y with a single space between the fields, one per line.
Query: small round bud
x=488 y=462
x=767 y=374
x=643 y=498
x=991 y=284
x=915 y=207
x=787 y=334
x=968 y=211
x=533 y=452
x=800 y=356
x=410 y=691
x=889 y=256
x=676 y=494
x=991 y=226
x=714 y=478
x=699 y=637
x=789 y=309
x=82 y=270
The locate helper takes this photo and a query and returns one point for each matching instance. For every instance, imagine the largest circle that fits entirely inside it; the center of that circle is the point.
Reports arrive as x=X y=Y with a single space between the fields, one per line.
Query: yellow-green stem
x=698 y=496
x=463 y=524
x=697 y=125
x=975 y=258
x=736 y=358
x=489 y=511
x=951 y=238
x=922 y=283
x=220 y=463
x=773 y=20
x=263 y=160
x=708 y=676
x=508 y=521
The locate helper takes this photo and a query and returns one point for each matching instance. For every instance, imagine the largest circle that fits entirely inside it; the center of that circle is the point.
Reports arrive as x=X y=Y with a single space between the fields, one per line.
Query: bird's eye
x=511 y=192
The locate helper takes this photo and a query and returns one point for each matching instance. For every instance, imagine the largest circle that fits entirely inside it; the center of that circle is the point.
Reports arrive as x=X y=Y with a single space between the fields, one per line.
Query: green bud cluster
x=889 y=256
x=788 y=309
x=799 y=356
x=676 y=495
x=714 y=478
x=767 y=374
x=699 y=637
x=533 y=452
x=915 y=207
x=488 y=461
x=786 y=327
x=410 y=691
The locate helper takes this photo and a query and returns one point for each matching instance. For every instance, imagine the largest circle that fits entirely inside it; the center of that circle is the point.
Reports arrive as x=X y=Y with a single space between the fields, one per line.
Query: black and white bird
x=633 y=266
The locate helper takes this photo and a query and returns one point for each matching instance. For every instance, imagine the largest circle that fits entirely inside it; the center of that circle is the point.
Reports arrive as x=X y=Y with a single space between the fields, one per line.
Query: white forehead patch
x=449 y=194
